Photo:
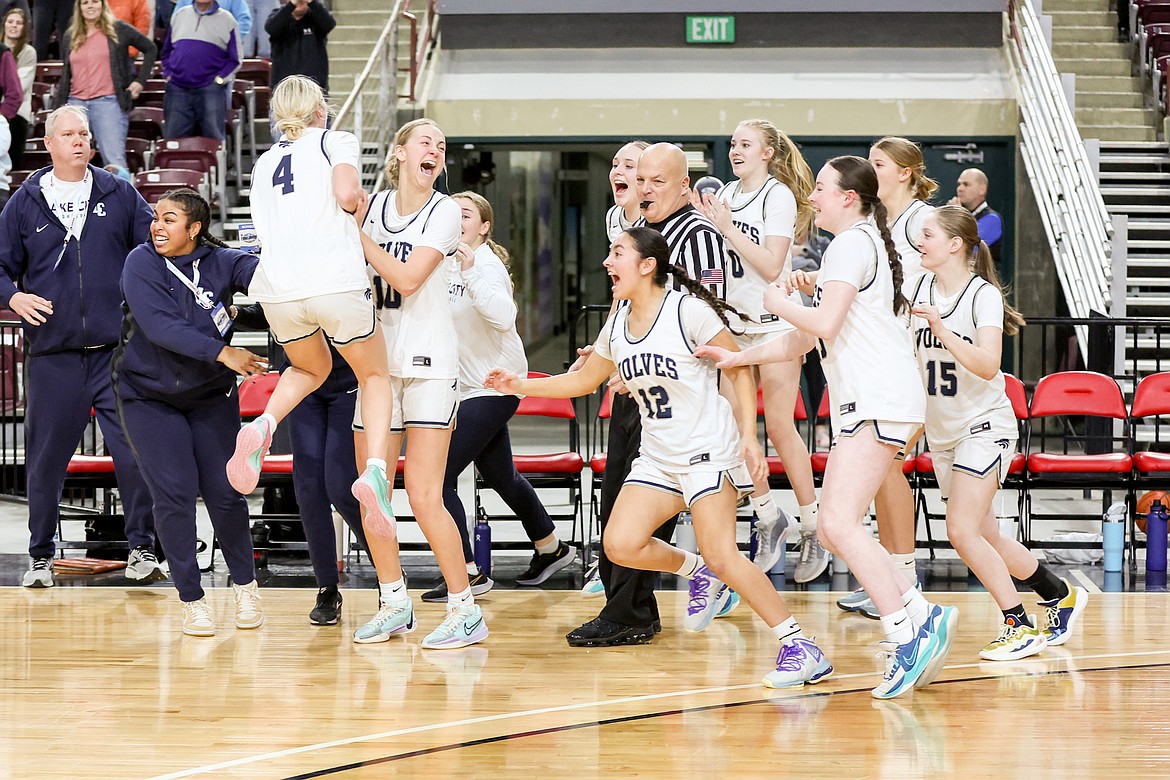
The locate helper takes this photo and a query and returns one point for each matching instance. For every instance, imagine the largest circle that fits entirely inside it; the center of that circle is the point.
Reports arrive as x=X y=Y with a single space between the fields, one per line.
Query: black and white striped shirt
x=696 y=245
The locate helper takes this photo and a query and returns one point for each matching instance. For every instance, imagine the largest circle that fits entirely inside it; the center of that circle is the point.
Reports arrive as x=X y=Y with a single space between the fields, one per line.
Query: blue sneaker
x=1062 y=614
x=800 y=661
x=942 y=622
x=389 y=621
x=373 y=491
x=462 y=627
x=252 y=443
x=855 y=601
x=707 y=597
x=729 y=607
x=906 y=663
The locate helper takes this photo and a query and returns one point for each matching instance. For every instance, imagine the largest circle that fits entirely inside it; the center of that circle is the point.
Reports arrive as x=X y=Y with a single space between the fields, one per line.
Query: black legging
x=18 y=126
x=481 y=437
x=47 y=16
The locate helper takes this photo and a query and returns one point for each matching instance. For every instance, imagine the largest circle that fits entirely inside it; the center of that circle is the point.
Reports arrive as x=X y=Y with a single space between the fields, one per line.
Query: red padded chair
x=49 y=71
x=1151 y=400
x=197 y=154
x=146 y=122
x=257 y=70
x=777 y=476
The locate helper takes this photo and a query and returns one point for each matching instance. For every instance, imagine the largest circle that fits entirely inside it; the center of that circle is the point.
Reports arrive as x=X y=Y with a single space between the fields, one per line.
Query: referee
x=630 y=615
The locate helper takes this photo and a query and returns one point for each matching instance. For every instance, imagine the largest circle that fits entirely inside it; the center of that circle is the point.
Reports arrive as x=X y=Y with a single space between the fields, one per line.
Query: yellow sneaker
x=1015 y=641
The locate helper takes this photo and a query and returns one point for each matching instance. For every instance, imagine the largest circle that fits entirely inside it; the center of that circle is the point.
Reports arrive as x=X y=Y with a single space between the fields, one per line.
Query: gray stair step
x=1135 y=158
x=1115 y=116
x=1110 y=99
x=1118 y=132
x=1133 y=146
x=1126 y=83
x=1080 y=18
x=1136 y=177
x=1136 y=208
x=1070 y=33
x=1090 y=50
x=1122 y=190
x=1096 y=66
x=1149 y=225
x=1148 y=281
x=1148 y=262
x=1149 y=243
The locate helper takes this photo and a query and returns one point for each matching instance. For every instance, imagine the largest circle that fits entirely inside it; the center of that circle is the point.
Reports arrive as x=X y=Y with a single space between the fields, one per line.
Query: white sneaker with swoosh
x=462 y=627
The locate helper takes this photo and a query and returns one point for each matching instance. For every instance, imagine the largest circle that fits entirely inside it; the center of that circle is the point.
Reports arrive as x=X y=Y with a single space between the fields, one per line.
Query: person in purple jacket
x=199 y=55
x=175 y=379
x=72 y=313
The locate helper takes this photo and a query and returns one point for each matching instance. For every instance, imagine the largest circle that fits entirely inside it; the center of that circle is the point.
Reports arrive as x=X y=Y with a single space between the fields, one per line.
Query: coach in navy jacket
x=64 y=237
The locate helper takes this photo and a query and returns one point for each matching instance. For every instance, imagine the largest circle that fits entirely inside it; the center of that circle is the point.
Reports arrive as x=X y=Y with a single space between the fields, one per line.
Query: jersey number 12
x=656 y=401
x=283 y=175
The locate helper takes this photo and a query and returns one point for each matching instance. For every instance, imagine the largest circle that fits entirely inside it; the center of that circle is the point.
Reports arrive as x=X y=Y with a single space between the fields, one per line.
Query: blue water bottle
x=1113 y=537
x=482 y=546
x=1156 y=537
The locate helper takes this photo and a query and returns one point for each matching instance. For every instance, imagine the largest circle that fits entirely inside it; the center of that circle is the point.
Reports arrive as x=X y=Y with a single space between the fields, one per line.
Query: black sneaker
x=600 y=632
x=328 y=608
x=480 y=584
x=544 y=565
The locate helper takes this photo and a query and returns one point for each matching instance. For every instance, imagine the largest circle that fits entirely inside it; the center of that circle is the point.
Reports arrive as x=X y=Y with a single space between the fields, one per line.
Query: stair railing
x=1072 y=210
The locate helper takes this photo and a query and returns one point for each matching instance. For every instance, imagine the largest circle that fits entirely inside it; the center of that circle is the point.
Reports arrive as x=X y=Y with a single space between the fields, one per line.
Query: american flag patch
x=711 y=276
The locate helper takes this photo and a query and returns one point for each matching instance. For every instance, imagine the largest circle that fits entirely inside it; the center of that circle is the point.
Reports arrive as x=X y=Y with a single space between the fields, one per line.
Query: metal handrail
x=1073 y=213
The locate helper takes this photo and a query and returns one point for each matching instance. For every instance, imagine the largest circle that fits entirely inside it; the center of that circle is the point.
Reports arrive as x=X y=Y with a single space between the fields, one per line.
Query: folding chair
x=197 y=154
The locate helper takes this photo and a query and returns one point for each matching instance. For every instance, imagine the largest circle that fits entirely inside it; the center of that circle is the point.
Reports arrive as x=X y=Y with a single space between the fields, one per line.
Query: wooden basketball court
x=100 y=683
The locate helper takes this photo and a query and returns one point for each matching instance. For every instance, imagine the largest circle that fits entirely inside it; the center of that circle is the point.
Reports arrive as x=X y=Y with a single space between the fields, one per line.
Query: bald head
x=972 y=188
x=663 y=183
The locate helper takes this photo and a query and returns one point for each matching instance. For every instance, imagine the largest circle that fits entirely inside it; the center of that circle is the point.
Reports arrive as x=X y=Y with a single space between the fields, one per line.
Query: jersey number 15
x=941 y=378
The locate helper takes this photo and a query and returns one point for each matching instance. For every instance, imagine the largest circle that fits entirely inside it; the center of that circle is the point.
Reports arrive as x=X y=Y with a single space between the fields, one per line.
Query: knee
x=720 y=561
x=832 y=531
x=619 y=549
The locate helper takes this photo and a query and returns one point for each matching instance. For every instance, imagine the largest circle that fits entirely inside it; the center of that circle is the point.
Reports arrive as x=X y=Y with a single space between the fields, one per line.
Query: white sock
x=808 y=517
x=461 y=599
x=393 y=592
x=271 y=420
x=907 y=566
x=898 y=627
x=789 y=629
x=472 y=569
x=376 y=462
x=765 y=508
x=549 y=547
x=690 y=564
x=917 y=607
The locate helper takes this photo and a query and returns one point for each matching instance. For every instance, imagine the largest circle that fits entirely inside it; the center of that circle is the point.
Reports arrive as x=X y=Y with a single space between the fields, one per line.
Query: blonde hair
x=295 y=101
x=51 y=120
x=400 y=138
x=487 y=216
x=906 y=154
x=788 y=166
x=80 y=31
x=957 y=222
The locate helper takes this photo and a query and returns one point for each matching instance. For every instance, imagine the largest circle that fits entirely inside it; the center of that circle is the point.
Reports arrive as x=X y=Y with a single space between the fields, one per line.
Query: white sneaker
x=390 y=620
x=462 y=627
x=249 y=613
x=593 y=584
x=143 y=566
x=813 y=560
x=770 y=538
x=39 y=574
x=197 y=620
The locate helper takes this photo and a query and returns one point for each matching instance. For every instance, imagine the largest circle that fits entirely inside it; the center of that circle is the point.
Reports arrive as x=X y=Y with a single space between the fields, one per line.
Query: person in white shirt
x=312 y=284
x=485 y=317
x=960 y=318
x=877 y=403
x=410 y=235
x=759 y=215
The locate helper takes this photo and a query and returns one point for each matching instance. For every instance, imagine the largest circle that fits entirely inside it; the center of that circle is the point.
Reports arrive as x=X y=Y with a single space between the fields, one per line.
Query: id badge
x=221 y=318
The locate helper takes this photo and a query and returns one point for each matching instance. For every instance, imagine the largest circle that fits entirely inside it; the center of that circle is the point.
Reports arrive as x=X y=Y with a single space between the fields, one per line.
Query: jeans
x=186 y=110
x=109 y=125
x=257 y=38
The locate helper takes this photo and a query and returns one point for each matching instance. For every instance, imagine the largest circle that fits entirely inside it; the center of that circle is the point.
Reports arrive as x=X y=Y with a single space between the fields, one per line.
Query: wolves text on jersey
x=648 y=364
x=400 y=249
x=924 y=338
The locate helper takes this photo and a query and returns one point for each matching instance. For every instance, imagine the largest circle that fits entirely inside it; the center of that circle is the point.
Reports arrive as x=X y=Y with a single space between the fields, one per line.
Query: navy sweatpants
x=183 y=454
x=321 y=433
x=481 y=437
x=61 y=388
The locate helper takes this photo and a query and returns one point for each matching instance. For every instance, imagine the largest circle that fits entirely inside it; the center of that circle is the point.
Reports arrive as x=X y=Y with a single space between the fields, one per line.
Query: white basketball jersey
x=769 y=211
x=420 y=329
x=906 y=230
x=308 y=245
x=686 y=424
x=959 y=403
x=869 y=365
x=616 y=222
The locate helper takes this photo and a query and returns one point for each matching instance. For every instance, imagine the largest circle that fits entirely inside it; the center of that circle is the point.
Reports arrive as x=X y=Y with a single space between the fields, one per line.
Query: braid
x=882 y=218
x=205 y=237
x=720 y=307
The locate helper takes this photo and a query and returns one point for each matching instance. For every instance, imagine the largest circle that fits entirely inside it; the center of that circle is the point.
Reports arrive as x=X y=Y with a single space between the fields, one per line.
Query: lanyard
x=203 y=298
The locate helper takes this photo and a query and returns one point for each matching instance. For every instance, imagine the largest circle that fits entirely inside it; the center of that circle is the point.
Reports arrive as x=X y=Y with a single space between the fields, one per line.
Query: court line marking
x=1084 y=580
x=503 y=716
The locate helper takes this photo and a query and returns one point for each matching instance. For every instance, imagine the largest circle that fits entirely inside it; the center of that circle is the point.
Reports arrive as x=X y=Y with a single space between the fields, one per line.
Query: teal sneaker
x=1062 y=614
x=373 y=491
x=593 y=585
x=942 y=622
x=800 y=661
x=252 y=443
x=729 y=607
x=906 y=664
x=462 y=627
x=390 y=620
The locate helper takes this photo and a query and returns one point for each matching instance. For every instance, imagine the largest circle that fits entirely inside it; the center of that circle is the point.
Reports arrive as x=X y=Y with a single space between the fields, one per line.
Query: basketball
x=1146 y=501
x=707 y=184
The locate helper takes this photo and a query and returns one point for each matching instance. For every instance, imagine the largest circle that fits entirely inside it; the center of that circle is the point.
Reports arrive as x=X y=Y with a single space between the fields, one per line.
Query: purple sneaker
x=707 y=597
x=800 y=661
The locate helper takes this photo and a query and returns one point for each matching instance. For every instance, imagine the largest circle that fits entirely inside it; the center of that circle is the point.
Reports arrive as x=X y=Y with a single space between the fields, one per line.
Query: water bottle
x=1113 y=537
x=684 y=534
x=482 y=546
x=1156 y=537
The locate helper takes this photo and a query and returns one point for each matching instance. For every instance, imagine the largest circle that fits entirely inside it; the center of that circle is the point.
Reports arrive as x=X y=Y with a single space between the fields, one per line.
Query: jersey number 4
x=656 y=401
x=283 y=176
x=941 y=378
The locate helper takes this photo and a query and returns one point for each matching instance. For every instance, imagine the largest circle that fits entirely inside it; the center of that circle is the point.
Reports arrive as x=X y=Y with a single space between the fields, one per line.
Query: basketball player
x=758 y=215
x=410 y=235
x=878 y=404
x=312 y=283
x=692 y=455
x=960 y=318
x=904 y=188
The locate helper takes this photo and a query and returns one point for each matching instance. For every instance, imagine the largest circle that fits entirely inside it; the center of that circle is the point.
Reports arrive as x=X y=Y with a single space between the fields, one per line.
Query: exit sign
x=710 y=29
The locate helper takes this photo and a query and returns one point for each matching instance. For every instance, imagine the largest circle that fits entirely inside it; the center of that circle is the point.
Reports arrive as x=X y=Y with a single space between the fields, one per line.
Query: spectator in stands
x=175 y=379
x=135 y=13
x=256 y=42
x=16 y=39
x=98 y=74
x=298 y=31
x=237 y=8
x=49 y=17
x=11 y=96
x=73 y=317
x=199 y=55
x=971 y=194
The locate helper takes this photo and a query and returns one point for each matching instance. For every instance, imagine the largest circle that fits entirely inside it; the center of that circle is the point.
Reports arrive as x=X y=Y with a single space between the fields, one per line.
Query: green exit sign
x=710 y=29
